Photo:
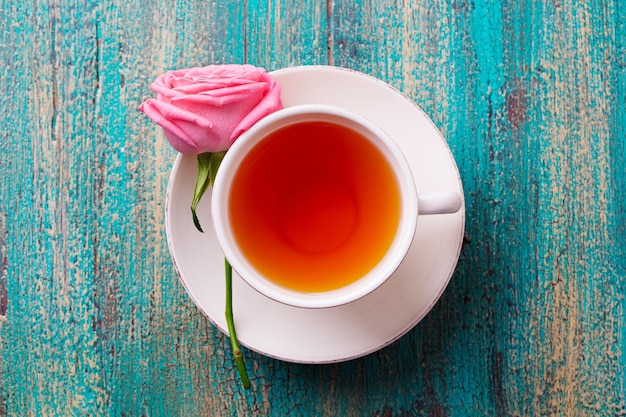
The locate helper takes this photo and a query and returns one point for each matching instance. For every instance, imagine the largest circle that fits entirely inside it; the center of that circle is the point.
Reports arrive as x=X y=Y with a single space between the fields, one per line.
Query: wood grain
x=530 y=97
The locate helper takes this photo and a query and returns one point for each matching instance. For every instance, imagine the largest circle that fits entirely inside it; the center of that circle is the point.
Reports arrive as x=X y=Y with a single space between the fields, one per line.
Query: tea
x=314 y=206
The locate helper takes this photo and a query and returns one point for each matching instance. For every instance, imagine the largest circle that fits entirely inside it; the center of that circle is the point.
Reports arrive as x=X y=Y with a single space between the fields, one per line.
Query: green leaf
x=203 y=180
x=208 y=164
x=216 y=161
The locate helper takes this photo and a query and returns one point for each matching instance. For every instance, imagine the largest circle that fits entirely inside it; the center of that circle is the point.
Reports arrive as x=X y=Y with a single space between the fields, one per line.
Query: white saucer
x=364 y=326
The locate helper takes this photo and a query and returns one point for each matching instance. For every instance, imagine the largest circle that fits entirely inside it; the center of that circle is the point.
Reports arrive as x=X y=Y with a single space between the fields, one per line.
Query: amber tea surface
x=314 y=206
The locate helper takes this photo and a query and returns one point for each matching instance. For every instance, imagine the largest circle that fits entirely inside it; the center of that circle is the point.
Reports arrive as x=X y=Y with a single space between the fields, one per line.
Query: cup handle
x=439 y=203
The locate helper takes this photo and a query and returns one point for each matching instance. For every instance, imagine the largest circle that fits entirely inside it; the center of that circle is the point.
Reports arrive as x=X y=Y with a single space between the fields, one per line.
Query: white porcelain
x=434 y=203
x=363 y=326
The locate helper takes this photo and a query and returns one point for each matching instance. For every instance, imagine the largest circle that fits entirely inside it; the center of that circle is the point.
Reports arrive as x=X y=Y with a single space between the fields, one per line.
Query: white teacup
x=315 y=206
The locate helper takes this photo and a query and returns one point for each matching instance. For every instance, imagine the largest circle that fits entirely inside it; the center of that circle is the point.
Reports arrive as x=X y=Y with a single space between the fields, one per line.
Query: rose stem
x=234 y=343
x=208 y=164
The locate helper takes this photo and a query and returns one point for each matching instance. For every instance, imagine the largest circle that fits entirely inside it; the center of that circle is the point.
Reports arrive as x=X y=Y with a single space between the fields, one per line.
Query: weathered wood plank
x=50 y=343
x=576 y=283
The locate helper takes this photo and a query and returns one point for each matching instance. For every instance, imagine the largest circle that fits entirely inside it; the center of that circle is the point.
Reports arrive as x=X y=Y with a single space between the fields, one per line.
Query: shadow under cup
x=314 y=206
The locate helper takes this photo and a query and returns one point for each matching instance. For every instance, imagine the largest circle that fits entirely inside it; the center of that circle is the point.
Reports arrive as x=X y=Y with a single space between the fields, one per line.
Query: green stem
x=234 y=343
x=208 y=165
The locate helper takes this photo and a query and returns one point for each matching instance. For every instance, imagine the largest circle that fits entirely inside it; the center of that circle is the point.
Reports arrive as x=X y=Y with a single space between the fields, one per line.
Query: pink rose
x=206 y=109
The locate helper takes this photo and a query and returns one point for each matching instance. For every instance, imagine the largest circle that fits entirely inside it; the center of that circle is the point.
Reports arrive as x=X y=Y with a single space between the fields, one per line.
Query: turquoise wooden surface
x=531 y=97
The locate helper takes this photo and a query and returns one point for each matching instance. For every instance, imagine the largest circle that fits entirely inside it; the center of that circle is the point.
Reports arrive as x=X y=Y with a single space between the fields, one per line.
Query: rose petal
x=225 y=96
x=177 y=138
x=270 y=103
x=189 y=114
x=185 y=127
